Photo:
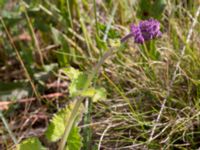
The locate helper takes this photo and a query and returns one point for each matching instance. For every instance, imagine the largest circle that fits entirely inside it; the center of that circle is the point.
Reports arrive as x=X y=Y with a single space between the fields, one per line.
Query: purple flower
x=145 y=31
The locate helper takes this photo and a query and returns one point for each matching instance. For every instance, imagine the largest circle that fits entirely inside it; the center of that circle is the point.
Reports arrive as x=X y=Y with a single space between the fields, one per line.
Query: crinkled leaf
x=90 y=92
x=78 y=81
x=57 y=125
x=30 y=144
x=71 y=73
x=74 y=140
x=99 y=95
x=77 y=84
x=96 y=94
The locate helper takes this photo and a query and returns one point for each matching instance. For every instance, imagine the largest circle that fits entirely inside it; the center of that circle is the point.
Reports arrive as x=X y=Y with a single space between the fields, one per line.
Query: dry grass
x=151 y=104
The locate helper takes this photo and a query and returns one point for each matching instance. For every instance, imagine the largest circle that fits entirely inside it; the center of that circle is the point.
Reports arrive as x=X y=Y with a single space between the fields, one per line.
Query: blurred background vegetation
x=40 y=39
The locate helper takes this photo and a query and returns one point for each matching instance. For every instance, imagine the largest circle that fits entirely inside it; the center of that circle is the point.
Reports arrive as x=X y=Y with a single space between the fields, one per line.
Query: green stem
x=79 y=101
x=87 y=119
x=70 y=123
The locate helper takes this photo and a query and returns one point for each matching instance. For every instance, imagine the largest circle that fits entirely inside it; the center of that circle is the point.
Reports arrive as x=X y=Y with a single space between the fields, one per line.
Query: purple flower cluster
x=147 y=30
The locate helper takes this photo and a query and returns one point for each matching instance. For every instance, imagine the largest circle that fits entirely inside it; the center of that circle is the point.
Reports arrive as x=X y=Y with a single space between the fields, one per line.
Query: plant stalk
x=70 y=123
x=79 y=101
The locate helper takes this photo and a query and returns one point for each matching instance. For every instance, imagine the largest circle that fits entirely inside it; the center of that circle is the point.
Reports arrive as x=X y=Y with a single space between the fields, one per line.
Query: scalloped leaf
x=71 y=72
x=30 y=144
x=99 y=94
x=78 y=81
x=96 y=94
x=57 y=124
x=74 y=140
x=90 y=92
x=77 y=85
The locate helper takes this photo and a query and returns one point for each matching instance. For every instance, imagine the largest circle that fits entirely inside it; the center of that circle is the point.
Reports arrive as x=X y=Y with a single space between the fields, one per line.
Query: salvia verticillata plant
x=80 y=86
x=145 y=31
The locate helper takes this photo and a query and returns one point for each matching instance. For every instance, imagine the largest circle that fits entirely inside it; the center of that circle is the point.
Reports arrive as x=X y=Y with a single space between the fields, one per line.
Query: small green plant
x=64 y=124
x=55 y=131
x=56 y=127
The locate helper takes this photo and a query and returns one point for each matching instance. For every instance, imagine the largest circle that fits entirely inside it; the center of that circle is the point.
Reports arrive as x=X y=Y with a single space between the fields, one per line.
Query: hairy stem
x=70 y=123
x=79 y=101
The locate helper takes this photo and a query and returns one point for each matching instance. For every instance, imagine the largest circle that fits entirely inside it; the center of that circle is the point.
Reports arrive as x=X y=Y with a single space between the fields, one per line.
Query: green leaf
x=96 y=94
x=77 y=84
x=90 y=92
x=30 y=144
x=71 y=72
x=74 y=140
x=100 y=94
x=78 y=81
x=56 y=127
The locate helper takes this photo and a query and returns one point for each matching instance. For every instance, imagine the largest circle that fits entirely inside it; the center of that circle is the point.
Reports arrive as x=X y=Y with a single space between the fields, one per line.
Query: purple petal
x=146 y=30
